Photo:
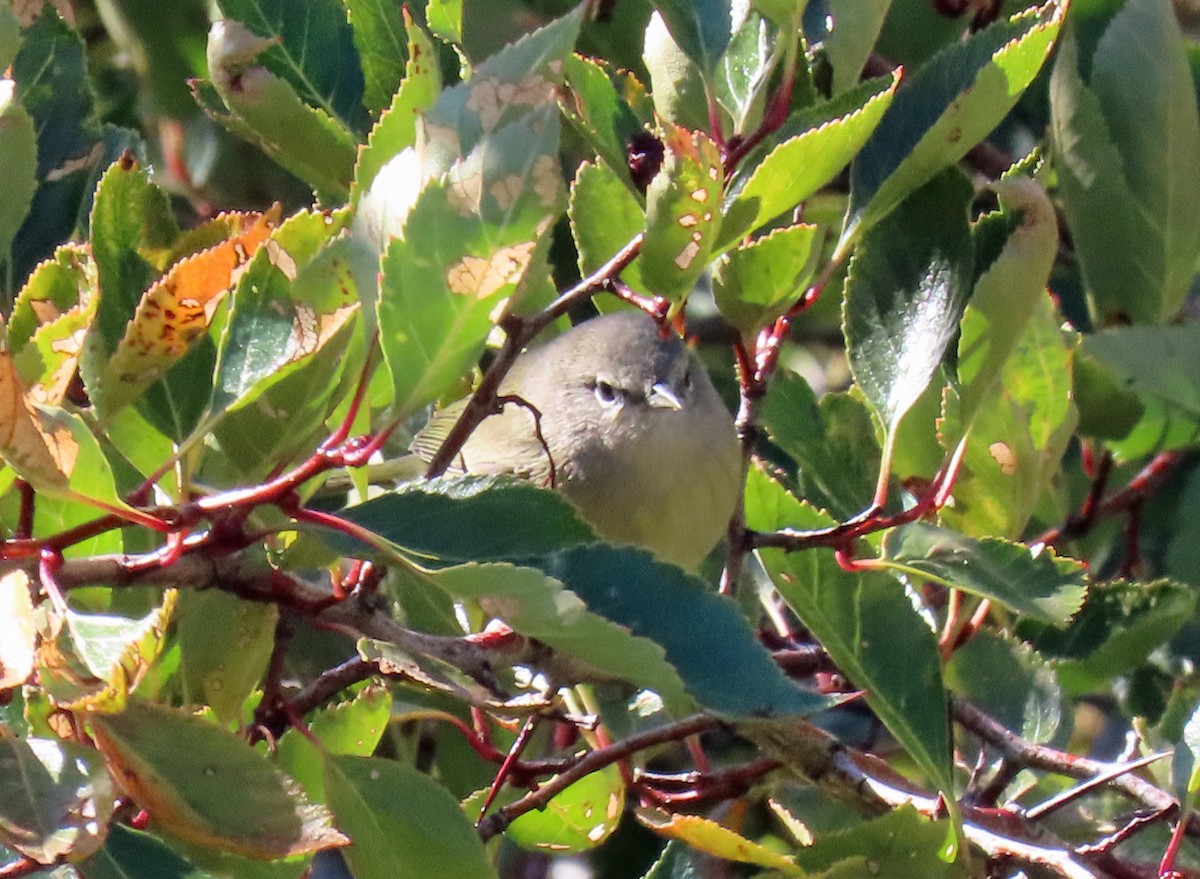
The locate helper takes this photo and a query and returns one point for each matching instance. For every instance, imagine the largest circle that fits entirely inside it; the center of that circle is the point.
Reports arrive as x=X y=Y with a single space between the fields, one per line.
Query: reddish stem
x=25 y=519
x=514 y=754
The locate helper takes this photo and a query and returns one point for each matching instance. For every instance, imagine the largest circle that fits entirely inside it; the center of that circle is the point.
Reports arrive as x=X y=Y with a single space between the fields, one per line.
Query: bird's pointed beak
x=663 y=396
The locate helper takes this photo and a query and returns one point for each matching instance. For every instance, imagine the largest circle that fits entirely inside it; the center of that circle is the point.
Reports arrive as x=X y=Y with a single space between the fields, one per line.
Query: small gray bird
x=631 y=431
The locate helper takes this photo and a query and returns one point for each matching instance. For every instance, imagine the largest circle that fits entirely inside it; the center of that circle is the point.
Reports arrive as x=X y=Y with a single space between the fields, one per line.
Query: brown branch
x=591 y=762
x=1033 y=756
x=873 y=788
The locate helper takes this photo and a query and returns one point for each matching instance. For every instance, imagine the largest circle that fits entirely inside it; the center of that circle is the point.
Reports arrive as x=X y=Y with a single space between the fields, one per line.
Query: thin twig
x=593 y=761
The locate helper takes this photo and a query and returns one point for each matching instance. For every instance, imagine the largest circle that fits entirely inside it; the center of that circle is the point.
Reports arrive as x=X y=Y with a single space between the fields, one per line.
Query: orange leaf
x=37 y=455
x=175 y=312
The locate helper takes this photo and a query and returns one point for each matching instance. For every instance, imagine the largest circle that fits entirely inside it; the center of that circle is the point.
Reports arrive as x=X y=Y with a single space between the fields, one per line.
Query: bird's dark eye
x=605 y=393
x=687 y=380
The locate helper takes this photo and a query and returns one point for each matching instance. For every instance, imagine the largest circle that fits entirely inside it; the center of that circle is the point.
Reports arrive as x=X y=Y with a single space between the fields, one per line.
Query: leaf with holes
x=682 y=213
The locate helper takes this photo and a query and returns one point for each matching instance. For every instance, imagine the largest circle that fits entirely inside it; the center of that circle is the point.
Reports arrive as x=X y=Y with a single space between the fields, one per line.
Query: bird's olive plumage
x=632 y=432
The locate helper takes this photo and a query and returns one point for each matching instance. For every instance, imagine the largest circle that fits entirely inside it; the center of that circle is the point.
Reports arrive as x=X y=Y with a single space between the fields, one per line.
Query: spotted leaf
x=682 y=213
x=173 y=314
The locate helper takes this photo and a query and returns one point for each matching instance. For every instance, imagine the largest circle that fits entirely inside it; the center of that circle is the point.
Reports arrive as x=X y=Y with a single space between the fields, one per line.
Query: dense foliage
x=938 y=255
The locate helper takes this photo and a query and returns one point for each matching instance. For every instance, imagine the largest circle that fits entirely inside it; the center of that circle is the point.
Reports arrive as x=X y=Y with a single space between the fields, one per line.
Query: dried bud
x=645 y=156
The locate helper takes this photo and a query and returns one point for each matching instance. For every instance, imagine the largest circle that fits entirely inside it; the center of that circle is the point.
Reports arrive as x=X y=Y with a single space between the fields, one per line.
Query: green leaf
x=97 y=659
x=353 y=727
x=1120 y=625
x=477 y=108
x=743 y=74
x=952 y=103
x=18 y=153
x=132 y=854
x=55 y=797
x=702 y=28
x=832 y=443
x=46 y=349
x=1041 y=586
x=289 y=413
x=313 y=48
x=10 y=37
x=1018 y=436
x=1182 y=560
x=577 y=819
x=50 y=70
x=1160 y=363
x=1006 y=295
x=681 y=213
x=380 y=43
x=705 y=637
x=131 y=225
x=866 y=623
x=89 y=476
x=210 y=624
x=469 y=518
x=110 y=644
x=397 y=126
x=187 y=789
x=600 y=113
x=901 y=843
x=1010 y=681
x=402 y=823
x=1185 y=773
x=605 y=216
x=1107 y=409
x=905 y=293
x=271 y=332
x=805 y=154
x=679 y=89
x=1128 y=159
x=57 y=285
x=445 y=282
x=539 y=607
x=758 y=281
x=492 y=129
x=856 y=27
x=307 y=140
x=445 y=19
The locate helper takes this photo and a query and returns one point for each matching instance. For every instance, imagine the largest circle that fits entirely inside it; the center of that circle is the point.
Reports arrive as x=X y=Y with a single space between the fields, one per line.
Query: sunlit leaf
x=55 y=797
x=578 y=818
x=681 y=213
